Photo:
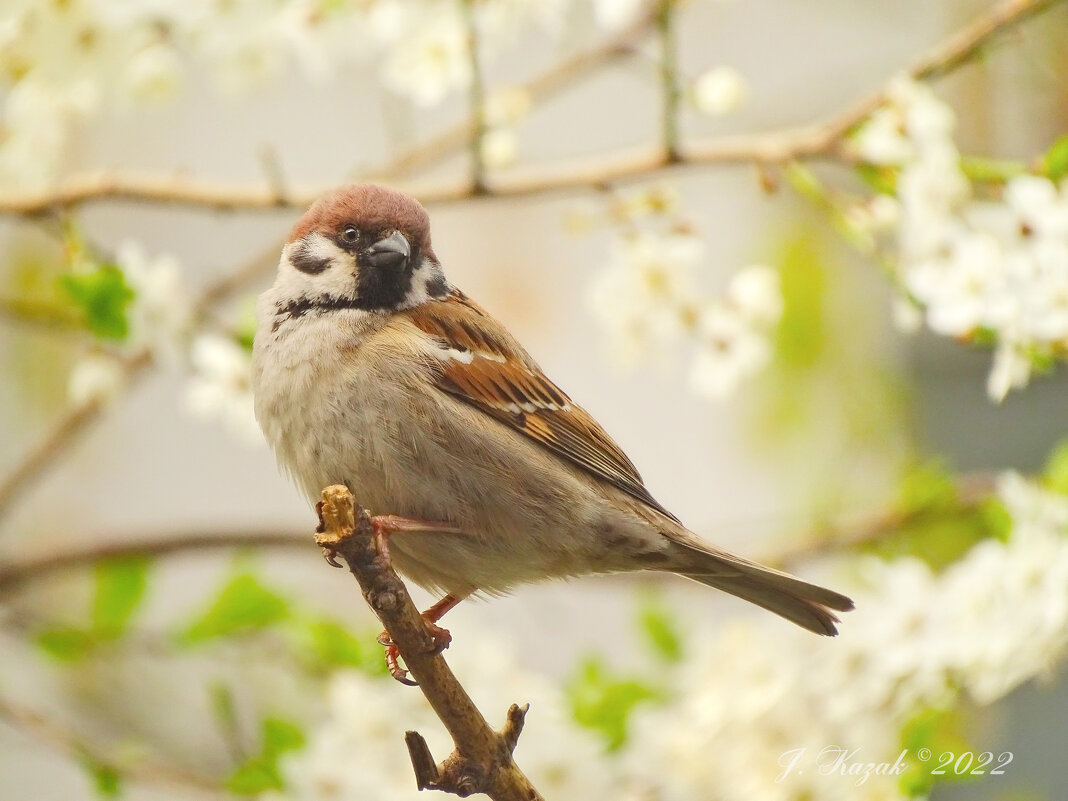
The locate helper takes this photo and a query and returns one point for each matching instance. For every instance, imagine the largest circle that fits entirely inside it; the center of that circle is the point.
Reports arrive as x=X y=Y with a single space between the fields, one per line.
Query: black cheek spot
x=437 y=286
x=306 y=262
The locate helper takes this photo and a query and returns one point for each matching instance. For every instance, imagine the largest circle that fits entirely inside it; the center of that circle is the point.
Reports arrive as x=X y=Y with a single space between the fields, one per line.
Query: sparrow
x=369 y=369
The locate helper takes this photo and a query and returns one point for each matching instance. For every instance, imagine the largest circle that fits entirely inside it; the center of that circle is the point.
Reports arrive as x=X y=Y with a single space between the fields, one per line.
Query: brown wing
x=492 y=372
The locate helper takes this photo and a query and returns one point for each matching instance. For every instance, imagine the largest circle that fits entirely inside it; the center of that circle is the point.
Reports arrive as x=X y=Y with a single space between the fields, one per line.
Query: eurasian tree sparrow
x=371 y=370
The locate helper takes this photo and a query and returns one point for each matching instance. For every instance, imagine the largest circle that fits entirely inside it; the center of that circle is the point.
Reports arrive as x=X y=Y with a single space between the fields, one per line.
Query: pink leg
x=383 y=527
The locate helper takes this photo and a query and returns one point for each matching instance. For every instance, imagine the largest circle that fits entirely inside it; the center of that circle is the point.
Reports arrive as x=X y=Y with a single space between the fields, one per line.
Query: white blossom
x=973 y=265
x=159 y=314
x=917 y=640
x=718 y=91
x=615 y=14
x=754 y=293
x=430 y=60
x=154 y=74
x=643 y=297
x=96 y=378
x=729 y=350
x=220 y=386
x=499 y=147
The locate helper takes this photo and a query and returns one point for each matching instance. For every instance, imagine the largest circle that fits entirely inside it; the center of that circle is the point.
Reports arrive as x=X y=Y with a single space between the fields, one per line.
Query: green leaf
x=120 y=586
x=280 y=735
x=1055 y=162
x=243 y=605
x=107 y=782
x=103 y=297
x=939 y=731
x=937 y=526
x=927 y=486
x=65 y=643
x=660 y=629
x=260 y=773
x=881 y=178
x=255 y=776
x=603 y=702
x=800 y=336
x=1055 y=475
x=335 y=646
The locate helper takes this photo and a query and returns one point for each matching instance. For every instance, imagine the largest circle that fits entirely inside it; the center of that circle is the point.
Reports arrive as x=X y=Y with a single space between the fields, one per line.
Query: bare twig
x=973 y=490
x=669 y=80
x=482 y=761
x=14 y=575
x=840 y=537
x=48 y=316
x=477 y=101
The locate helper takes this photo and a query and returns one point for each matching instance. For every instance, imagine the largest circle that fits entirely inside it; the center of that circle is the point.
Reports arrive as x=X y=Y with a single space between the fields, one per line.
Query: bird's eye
x=350 y=234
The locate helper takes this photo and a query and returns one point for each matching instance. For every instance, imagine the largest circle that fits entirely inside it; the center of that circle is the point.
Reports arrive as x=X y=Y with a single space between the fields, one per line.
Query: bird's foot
x=440 y=639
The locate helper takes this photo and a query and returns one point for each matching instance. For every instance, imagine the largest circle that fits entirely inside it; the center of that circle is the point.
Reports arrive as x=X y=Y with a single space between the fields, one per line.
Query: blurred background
x=751 y=317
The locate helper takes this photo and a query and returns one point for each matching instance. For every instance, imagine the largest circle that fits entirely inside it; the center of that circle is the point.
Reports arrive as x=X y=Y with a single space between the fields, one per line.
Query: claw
x=330 y=555
x=394 y=666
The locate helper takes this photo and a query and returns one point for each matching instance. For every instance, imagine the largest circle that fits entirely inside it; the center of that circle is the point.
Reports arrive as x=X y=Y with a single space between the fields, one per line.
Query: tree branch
x=26 y=570
x=820 y=140
x=669 y=80
x=476 y=99
x=482 y=761
x=973 y=489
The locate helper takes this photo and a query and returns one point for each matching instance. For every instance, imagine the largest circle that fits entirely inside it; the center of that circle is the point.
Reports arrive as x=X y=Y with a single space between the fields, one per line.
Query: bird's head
x=361 y=246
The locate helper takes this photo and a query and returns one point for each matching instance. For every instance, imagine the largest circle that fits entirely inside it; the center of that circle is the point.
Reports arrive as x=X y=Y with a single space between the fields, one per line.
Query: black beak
x=390 y=253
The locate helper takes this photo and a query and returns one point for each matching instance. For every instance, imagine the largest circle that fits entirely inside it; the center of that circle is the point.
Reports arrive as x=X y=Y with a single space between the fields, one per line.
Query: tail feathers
x=808 y=605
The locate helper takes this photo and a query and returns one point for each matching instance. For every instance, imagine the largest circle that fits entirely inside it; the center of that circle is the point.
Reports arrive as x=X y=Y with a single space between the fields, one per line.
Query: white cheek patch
x=328 y=270
x=428 y=283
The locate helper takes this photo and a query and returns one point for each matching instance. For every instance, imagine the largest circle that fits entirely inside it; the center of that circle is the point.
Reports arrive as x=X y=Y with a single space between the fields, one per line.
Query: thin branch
x=973 y=490
x=14 y=575
x=476 y=100
x=669 y=80
x=543 y=86
x=843 y=536
x=47 y=316
x=482 y=761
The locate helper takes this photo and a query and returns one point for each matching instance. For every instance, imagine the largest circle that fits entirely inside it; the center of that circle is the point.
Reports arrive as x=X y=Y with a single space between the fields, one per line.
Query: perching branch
x=821 y=140
x=840 y=536
x=482 y=761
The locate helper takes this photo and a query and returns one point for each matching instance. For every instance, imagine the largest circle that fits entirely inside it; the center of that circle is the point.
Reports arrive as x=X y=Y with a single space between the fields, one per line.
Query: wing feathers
x=502 y=380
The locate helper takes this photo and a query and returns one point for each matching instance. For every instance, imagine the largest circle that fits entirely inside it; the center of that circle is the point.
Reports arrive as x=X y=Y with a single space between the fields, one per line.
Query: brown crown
x=372 y=208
